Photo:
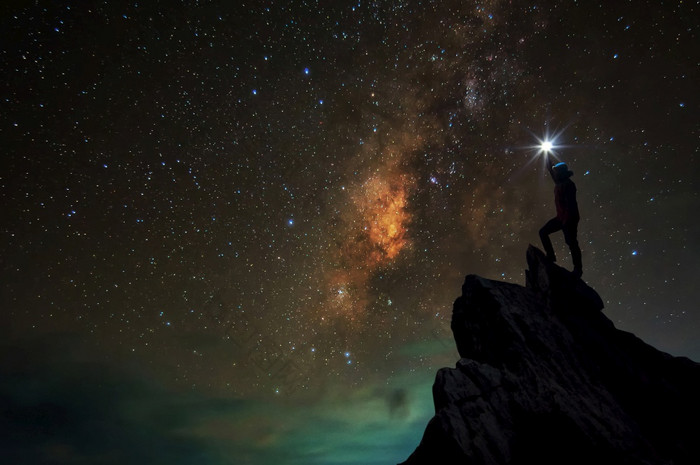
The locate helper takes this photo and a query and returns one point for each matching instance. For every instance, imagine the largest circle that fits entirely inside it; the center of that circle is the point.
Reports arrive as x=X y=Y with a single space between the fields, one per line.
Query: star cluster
x=272 y=205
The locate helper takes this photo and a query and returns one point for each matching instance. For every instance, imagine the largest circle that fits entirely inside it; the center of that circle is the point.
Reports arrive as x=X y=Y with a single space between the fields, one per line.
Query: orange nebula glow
x=372 y=228
x=374 y=233
x=381 y=204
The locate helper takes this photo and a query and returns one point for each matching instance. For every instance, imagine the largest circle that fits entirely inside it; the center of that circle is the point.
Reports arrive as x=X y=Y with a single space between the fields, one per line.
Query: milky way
x=233 y=233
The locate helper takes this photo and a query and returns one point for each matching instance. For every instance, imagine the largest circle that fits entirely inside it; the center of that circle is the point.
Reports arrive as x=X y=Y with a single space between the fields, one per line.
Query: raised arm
x=549 y=165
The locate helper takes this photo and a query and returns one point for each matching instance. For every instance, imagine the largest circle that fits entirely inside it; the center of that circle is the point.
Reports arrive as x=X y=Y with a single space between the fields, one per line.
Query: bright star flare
x=548 y=144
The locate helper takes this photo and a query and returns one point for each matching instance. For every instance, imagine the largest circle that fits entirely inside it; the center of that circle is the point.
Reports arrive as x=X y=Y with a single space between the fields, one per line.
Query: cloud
x=68 y=407
x=398 y=402
x=58 y=406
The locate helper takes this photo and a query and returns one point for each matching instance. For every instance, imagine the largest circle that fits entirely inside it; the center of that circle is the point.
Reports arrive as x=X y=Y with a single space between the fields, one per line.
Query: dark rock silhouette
x=546 y=378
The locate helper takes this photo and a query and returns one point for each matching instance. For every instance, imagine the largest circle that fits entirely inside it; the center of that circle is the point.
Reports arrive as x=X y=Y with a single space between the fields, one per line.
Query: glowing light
x=548 y=143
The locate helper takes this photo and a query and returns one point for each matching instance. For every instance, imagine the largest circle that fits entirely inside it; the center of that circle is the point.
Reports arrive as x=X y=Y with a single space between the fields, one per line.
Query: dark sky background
x=232 y=232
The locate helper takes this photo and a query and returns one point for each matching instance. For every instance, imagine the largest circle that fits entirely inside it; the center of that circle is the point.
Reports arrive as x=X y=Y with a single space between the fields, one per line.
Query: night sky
x=232 y=233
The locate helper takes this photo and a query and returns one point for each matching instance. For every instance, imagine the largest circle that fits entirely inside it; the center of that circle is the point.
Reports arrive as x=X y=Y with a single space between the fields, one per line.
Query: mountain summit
x=546 y=378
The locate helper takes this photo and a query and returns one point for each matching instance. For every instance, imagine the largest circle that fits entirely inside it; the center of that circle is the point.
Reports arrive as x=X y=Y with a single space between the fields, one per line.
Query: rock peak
x=559 y=287
x=545 y=377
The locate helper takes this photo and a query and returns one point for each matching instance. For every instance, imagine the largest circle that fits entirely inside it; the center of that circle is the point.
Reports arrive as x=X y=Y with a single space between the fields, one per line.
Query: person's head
x=561 y=171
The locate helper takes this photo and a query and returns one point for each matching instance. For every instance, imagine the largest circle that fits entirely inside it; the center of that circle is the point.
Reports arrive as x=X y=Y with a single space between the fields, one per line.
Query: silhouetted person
x=567 y=215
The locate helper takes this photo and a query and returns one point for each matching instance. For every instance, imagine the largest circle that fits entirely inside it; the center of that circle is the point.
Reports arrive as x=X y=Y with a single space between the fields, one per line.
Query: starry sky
x=232 y=232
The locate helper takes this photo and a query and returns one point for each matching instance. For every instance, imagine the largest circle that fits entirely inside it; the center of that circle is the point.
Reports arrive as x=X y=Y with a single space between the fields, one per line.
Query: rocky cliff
x=546 y=378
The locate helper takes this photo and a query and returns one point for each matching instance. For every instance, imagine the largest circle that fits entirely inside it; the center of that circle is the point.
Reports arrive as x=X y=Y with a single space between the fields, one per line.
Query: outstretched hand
x=547 y=160
x=549 y=164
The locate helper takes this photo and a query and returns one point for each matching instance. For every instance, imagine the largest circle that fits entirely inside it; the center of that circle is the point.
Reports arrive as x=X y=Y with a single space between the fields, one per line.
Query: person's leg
x=551 y=226
x=570 y=232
